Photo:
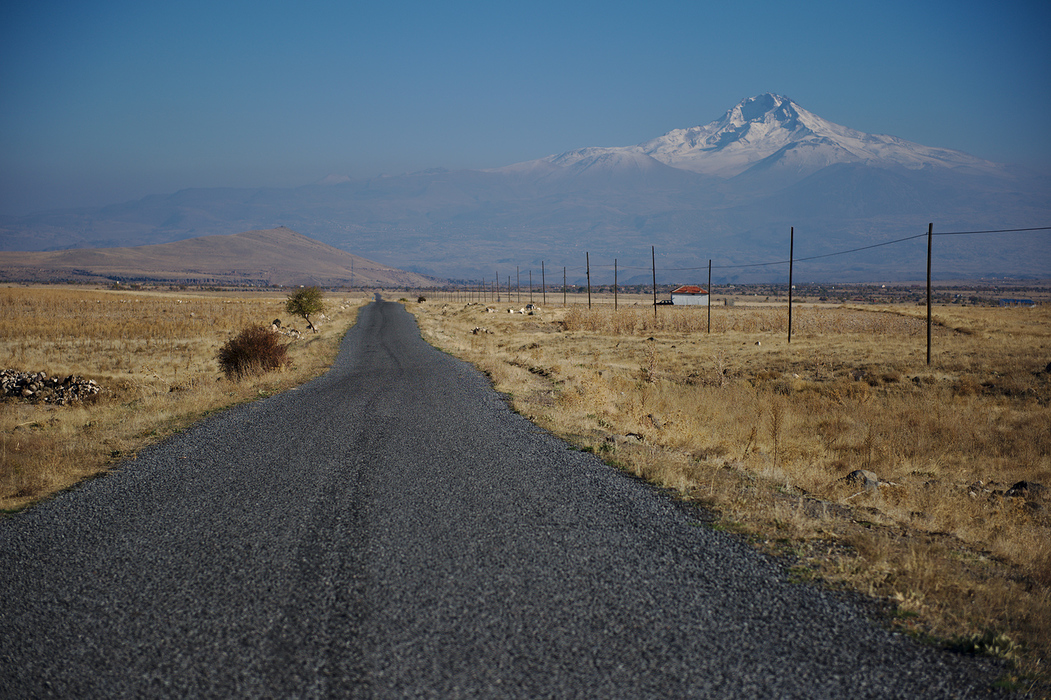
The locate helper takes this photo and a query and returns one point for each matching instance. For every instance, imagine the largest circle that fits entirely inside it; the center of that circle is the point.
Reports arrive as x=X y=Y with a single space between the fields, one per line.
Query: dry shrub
x=255 y=350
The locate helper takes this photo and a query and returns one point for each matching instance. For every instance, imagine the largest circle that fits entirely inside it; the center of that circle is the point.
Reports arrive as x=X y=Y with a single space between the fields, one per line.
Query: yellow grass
x=154 y=354
x=762 y=432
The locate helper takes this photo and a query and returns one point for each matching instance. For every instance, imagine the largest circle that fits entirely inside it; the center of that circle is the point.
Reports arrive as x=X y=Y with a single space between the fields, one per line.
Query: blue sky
x=110 y=101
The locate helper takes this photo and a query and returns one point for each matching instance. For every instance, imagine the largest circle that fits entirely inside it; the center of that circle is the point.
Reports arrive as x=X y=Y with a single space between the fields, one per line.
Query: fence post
x=614 y=284
x=709 y=296
x=543 y=282
x=563 y=287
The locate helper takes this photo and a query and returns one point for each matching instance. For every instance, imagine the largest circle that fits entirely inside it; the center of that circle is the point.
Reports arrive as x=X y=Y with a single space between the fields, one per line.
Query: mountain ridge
x=727 y=191
x=274 y=257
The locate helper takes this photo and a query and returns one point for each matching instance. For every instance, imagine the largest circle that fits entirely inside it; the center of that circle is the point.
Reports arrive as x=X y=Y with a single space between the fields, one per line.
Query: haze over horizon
x=108 y=103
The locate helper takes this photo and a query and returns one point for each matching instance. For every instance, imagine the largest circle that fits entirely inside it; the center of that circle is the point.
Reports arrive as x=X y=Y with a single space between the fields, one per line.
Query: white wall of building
x=690 y=299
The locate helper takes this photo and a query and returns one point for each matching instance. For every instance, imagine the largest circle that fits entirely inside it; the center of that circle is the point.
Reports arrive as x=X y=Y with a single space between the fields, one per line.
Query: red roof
x=688 y=289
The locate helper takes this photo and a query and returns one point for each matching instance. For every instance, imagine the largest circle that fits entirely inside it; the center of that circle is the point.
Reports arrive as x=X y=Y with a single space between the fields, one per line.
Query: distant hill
x=277 y=256
x=729 y=191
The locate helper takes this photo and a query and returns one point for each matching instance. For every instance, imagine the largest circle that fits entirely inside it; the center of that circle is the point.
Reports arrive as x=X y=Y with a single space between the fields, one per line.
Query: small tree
x=305 y=302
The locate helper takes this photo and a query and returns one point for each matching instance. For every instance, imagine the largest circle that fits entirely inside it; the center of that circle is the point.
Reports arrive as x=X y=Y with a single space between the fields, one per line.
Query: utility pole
x=930 y=235
x=587 y=262
x=791 y=258
x=709 y=296
x=653 y=258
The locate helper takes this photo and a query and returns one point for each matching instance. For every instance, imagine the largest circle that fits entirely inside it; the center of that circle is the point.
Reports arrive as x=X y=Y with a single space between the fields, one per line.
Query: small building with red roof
x=689 y=295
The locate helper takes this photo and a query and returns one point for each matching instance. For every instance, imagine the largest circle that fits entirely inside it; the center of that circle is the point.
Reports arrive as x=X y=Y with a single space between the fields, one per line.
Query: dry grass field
x=763 y=434
x=153 y=353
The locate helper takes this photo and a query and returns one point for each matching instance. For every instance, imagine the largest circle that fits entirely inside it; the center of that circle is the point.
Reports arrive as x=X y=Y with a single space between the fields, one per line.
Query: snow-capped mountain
x=729 y=191
x=771 y=132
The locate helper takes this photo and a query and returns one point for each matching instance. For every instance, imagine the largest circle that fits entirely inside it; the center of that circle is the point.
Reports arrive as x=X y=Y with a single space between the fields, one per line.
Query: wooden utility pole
x=587 y=263
x=653 y=259
x=791 y=254
x=543 y=282
x=530 y=286
x=930 y=236
x=709 y=295
x=614 y=284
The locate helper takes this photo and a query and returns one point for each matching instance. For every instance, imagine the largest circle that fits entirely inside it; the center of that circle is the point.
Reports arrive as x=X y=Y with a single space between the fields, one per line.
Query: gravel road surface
x=392 y=529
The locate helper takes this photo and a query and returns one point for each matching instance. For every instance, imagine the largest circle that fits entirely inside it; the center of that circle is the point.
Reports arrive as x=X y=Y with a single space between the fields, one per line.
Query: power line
x=867 y=247
x=825 y=255
x=1005 y=230
x=812 y=257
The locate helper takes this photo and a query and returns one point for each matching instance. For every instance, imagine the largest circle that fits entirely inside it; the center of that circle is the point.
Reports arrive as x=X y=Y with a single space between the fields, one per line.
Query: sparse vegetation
x=154 y=356
x=762 y=433
x=255 y=350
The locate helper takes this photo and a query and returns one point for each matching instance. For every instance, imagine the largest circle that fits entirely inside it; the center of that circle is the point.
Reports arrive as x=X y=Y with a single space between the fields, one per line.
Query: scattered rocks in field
x=863 y=477
x=629 y=439
x=978 y=487
x=1026 y=489
x=39 y=388
x=481 y=331
x=287 y=331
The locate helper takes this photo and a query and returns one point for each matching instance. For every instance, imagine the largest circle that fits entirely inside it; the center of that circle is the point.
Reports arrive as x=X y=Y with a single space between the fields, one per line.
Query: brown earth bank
x=274 y=257
x=927 y=488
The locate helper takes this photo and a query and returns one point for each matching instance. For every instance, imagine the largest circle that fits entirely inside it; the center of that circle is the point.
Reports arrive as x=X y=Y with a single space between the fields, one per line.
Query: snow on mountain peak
x=754 y=129
x=773 y=128
x=771 y=132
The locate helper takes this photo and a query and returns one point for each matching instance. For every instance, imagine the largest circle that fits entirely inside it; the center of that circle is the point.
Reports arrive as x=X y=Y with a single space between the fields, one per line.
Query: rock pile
x=39 y=388
x=289 y=331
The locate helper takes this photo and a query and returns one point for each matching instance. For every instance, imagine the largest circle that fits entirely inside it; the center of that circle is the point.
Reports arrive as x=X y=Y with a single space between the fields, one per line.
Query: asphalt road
x=392 y=529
